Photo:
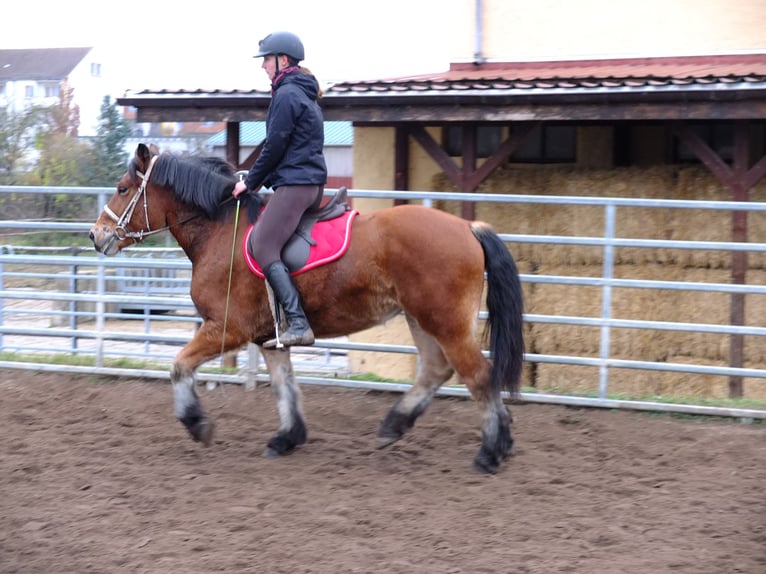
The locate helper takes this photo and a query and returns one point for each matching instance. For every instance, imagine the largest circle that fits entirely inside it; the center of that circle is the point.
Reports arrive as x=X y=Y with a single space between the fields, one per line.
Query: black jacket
x=293 y=152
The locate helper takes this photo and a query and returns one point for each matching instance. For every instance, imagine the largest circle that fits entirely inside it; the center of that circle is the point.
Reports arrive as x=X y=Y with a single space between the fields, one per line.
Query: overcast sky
x=179 y=44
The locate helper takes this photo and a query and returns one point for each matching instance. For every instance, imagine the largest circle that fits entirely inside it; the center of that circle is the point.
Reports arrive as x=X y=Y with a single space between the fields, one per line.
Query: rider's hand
x=239 y=187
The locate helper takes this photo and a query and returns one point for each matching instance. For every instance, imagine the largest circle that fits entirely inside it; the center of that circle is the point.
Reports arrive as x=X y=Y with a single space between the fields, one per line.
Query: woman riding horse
x=292 y=162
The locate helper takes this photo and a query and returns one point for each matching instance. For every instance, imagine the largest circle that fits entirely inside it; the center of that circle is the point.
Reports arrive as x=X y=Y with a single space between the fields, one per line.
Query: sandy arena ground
x=96 y=476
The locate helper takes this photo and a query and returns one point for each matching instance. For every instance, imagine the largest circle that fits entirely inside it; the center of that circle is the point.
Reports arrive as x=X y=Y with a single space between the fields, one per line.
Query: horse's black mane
x=201 y=181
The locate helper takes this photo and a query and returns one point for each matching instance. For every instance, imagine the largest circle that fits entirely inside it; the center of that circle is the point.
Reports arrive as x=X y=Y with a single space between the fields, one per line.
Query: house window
x=95 y=70
x=29 y=92
x=52 y=91
x=487 y=140
x=548 y=144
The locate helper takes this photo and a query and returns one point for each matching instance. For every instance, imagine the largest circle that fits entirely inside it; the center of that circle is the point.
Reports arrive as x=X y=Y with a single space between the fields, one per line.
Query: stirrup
x=291 y=339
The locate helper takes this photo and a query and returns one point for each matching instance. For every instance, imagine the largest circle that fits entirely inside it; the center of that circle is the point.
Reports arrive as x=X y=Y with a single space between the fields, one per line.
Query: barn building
x=687 y=122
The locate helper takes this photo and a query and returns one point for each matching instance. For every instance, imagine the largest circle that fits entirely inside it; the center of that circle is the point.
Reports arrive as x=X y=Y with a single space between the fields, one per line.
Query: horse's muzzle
x=105 y=242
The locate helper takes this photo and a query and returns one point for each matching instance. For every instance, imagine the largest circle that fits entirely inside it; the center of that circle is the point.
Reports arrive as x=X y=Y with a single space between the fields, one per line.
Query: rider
x=292 y=163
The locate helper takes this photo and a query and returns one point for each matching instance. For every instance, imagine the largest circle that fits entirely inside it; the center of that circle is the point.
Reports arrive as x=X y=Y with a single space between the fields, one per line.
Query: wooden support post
x=232 y=143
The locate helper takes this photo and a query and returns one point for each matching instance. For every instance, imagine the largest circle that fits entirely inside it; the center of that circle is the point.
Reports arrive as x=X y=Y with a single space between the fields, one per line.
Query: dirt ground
x=97 y=476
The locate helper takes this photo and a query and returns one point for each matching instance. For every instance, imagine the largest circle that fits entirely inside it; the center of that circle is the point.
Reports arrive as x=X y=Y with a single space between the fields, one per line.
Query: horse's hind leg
x=474 y=372
x=292 y=428
x=433 y=371
x=496 y=439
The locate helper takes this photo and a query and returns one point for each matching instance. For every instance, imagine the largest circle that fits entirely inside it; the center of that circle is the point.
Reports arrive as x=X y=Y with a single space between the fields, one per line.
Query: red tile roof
x=715 y=87
x=606 y=73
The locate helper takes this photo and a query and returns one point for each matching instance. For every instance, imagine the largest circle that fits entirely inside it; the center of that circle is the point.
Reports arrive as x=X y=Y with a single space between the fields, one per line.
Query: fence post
x=4 y=249
x=253 y=357
x=606 y=299
x=100 y=310
x=73 y=304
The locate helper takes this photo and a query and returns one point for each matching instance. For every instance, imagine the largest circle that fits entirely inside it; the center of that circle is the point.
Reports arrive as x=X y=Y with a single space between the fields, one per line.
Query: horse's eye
x=122 y=190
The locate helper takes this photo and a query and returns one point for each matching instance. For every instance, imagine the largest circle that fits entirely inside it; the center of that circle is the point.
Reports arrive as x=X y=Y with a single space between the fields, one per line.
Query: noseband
x=121 y=231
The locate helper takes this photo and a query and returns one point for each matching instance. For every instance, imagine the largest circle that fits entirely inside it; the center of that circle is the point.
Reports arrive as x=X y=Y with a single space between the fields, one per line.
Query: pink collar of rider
x=282 y=74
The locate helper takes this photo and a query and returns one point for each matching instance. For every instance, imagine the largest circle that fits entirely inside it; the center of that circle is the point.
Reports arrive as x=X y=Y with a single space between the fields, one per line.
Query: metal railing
x=109 y=308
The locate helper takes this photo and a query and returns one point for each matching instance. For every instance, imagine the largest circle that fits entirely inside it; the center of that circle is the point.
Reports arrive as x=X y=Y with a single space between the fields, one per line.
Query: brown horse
x=423 y=262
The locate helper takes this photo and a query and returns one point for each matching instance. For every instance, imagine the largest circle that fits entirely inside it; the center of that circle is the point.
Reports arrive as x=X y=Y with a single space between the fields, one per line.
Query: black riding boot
x=299 y=331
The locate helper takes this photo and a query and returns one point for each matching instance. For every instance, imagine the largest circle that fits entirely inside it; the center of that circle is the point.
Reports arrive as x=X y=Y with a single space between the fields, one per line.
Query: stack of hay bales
x=663 y=182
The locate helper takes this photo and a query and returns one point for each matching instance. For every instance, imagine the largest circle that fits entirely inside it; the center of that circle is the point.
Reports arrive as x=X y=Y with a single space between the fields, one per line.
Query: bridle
x=121 y=231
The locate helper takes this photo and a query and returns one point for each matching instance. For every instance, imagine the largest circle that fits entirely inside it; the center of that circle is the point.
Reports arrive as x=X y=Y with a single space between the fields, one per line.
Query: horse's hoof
x=286 y=442
x=486 y=462
x=202 y=431
x=384 y=441
x=271 y=452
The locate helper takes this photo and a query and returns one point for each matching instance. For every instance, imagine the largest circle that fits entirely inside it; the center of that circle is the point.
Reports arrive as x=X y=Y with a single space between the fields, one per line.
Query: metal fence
x=70 y=302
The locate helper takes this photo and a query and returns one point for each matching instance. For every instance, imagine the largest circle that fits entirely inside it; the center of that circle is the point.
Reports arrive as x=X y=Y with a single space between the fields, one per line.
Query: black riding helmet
x=281 y=43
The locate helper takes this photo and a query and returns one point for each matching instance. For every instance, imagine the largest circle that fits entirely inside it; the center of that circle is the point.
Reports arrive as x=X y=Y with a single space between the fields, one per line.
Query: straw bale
x=642 y=304
x=675 y=306
x=656 y=384
x=395 y=366
x=586 y=301
x=755 y=388
x=755 y=316
x=571 y=300
x=644 y=223
x=756 y=226
x=567 y=379
x=713 y=308
x=646 y=385
x=663 y=182
x=691 y=385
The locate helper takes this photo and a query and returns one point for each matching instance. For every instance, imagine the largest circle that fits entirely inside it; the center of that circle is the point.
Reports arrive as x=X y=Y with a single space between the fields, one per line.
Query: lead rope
x=228 y=289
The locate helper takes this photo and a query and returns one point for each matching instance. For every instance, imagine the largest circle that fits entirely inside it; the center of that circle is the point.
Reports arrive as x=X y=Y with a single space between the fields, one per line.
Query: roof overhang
x=655 y=89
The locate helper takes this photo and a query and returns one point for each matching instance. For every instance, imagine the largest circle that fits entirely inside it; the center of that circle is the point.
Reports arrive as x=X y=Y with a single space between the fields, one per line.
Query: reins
x=228 y=288
x=121 y=231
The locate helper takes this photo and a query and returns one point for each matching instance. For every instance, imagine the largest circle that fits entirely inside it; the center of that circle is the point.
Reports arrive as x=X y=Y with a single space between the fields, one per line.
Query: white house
x=37 y=77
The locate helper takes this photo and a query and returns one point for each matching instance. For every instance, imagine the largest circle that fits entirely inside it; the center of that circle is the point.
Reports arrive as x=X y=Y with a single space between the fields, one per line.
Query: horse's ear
x=143 y=155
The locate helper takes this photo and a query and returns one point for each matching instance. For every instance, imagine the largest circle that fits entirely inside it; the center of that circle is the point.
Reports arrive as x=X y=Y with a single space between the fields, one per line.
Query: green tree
x=64 y=117
x=17 y=137
x=64 y=160
x=109 y=145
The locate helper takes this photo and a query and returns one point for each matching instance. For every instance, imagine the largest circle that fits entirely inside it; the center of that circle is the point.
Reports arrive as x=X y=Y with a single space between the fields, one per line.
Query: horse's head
x=160 y=193
x=126 y=218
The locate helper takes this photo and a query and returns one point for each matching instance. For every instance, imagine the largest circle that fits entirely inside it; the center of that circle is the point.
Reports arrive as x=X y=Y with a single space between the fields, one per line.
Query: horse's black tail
x=505 y=307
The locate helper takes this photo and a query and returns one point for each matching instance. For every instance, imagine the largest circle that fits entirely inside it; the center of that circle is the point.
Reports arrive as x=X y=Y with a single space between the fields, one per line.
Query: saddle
x=312 y=245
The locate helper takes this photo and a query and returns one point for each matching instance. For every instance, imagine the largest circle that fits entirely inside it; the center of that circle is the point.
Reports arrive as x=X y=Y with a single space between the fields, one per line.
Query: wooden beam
x=755 y=173
x=391 y=112
x=468 y=178
x=739 y=179
x=740 y=192
x=704 y=153
x=501 y=154
x=467 y=184
x=251 y=159
x=232 y=143
x=401 y=161
x=436 y=152
x=541 y=111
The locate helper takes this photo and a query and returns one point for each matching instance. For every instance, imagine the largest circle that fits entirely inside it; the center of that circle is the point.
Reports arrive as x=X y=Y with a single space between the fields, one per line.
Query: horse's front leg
x=292 y=427
x=205 y=345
